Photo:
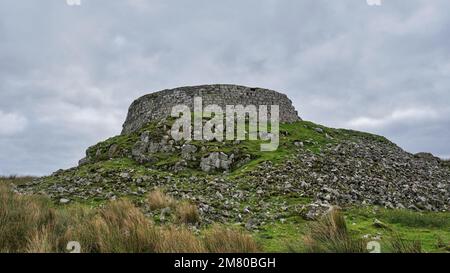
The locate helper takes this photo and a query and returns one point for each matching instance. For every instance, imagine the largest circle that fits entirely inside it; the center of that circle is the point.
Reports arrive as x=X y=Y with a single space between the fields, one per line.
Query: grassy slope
x=431 y=229
x=303 y=131
x=275 y=236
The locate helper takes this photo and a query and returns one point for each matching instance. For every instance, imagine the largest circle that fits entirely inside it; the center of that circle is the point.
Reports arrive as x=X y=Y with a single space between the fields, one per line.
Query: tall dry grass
x=179 y=240
x=20 y=217
x=119 y=227
x=330 y=235
x=187 y=213
x=40 y=241
x=221 y=239
x=157 y=199
x=31 y=224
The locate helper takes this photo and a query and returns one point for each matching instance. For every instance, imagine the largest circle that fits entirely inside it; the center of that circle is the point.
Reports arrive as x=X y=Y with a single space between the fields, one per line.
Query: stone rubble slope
x=364 y=173
x=358 y=171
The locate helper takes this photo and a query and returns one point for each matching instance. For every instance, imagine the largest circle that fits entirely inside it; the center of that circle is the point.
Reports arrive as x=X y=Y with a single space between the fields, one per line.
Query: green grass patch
x=418 y=219
x=282 y=237
x=431 y=229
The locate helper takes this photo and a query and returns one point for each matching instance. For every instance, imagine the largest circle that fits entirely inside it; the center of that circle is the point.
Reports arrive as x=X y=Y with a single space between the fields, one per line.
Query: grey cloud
x=71 y=72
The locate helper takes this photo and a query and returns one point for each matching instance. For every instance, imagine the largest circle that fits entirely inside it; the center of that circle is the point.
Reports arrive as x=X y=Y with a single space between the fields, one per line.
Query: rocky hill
x=234 y=182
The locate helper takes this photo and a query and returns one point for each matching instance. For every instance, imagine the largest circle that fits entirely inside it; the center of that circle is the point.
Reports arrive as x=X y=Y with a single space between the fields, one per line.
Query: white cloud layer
x=11 y=123
x=400 y=116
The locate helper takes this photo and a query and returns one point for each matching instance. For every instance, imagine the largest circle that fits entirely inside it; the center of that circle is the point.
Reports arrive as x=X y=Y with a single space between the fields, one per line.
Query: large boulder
x=216 y=161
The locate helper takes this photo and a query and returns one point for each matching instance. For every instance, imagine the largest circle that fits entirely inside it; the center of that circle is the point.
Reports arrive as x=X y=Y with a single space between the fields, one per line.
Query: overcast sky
x=69 y=73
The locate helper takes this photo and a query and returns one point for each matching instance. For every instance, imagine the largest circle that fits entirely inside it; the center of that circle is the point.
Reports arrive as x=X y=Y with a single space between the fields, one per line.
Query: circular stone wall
x=159 y=105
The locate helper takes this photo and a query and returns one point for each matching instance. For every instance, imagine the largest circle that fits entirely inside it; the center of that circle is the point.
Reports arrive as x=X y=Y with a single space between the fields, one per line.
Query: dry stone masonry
x=159 y=104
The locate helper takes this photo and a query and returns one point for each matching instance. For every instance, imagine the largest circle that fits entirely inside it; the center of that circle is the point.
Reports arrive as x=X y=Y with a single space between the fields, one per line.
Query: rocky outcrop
x=188 y=152
x=216 y=161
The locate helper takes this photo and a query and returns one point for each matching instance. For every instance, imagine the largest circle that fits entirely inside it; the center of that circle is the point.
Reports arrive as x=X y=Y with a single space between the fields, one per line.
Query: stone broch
x=159 y=105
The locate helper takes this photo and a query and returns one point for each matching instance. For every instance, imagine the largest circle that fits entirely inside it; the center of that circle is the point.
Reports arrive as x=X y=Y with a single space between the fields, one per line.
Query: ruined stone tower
x=158 y=105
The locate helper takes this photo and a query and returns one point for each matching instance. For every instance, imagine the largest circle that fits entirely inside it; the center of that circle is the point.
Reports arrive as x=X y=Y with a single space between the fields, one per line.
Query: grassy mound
x=163 y=203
